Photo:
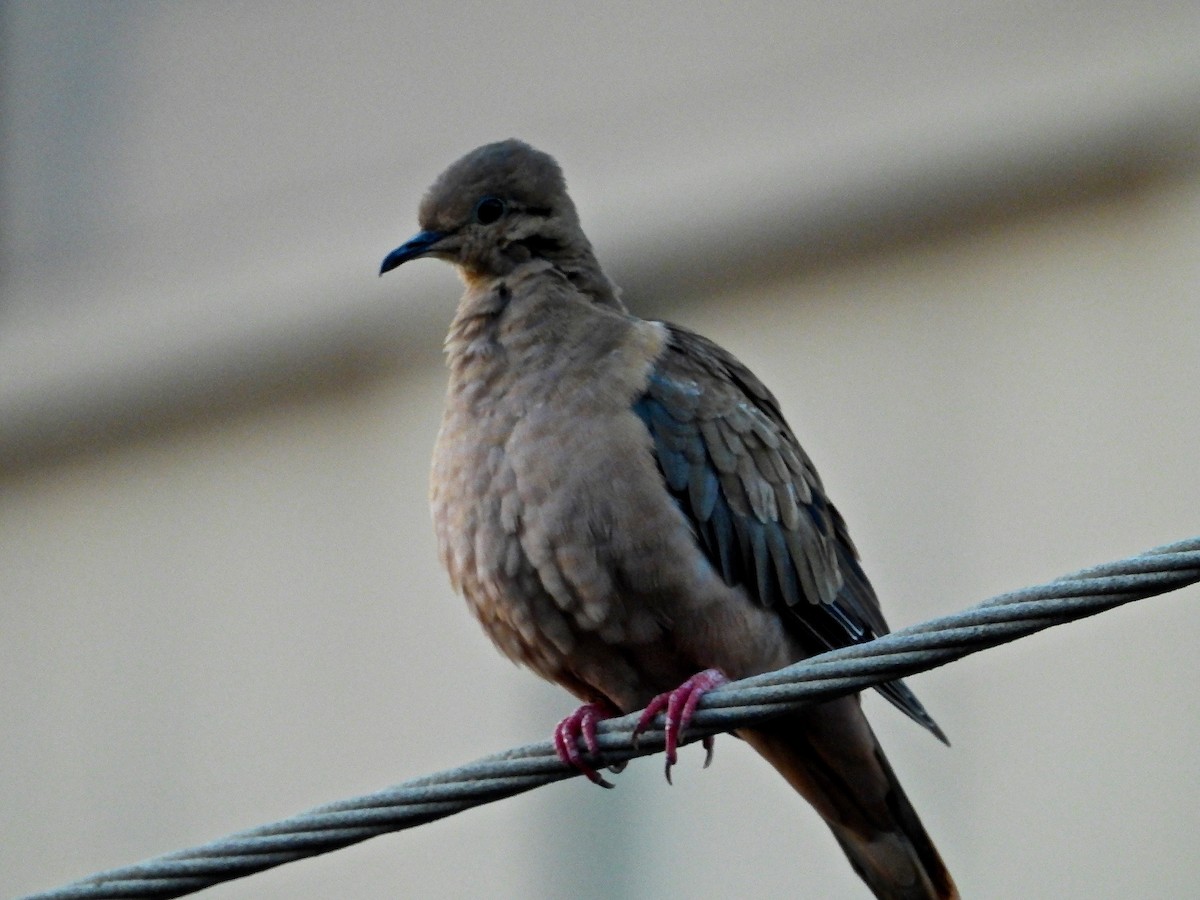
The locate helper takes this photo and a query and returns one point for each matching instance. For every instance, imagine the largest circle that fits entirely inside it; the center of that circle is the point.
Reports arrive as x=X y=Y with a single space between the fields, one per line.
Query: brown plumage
x=623 y=505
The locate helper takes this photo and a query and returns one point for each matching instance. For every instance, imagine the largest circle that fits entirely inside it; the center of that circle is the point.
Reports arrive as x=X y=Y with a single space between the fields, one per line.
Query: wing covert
x=755 y=501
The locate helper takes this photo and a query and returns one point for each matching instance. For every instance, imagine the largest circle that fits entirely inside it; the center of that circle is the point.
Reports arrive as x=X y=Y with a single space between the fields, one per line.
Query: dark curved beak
x=417 y=246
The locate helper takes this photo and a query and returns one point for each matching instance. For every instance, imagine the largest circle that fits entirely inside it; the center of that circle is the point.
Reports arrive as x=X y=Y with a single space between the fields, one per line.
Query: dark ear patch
x=540 y=246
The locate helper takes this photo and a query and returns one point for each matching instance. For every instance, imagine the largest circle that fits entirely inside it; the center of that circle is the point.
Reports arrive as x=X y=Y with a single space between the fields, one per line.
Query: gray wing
x=755 y=502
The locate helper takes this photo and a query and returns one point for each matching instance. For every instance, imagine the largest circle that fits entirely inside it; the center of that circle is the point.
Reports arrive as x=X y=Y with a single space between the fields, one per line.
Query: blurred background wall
x=960 y=241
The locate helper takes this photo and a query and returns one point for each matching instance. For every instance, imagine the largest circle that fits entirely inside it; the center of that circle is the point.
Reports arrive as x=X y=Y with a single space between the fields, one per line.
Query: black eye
x=489 y=209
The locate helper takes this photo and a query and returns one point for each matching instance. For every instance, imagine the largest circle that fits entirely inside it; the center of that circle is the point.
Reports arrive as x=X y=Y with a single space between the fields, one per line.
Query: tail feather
x=830 y=756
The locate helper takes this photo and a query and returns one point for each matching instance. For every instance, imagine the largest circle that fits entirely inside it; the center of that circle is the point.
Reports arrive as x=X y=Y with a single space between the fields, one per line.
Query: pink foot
x=679 y=705
x=582 y=723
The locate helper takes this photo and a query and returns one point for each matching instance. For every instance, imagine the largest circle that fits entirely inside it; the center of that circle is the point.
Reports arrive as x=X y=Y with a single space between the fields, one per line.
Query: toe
x=679 y=706
x=581 y=723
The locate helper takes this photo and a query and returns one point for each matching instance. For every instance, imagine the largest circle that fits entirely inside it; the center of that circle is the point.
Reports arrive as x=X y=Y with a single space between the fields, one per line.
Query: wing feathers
x=755 y=501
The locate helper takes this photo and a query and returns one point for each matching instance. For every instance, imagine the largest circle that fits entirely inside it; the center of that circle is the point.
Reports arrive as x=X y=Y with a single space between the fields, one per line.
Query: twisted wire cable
x=914 y=649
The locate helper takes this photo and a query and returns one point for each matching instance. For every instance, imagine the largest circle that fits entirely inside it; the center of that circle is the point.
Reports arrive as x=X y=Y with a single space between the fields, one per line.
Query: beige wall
x=232 y=623
x=959 y=242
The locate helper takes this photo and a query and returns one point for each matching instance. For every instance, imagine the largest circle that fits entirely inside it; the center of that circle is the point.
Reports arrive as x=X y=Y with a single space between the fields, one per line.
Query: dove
x=627 y=513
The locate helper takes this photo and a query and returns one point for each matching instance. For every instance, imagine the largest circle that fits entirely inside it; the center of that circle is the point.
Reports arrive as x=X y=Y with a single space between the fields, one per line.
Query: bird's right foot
x=582 y=723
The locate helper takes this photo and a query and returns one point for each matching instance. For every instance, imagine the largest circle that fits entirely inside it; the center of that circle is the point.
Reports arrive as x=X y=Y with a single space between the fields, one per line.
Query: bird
x=627 y=512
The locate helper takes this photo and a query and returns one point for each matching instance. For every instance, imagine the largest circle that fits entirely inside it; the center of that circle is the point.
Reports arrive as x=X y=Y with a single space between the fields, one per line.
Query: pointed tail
x=831 y=757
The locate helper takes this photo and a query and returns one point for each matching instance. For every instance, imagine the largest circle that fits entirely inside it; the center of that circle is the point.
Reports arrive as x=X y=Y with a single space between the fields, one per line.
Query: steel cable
x=914 y=649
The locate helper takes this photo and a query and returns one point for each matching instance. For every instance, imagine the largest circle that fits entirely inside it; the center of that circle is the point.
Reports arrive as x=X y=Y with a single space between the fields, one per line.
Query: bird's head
x=499 y=206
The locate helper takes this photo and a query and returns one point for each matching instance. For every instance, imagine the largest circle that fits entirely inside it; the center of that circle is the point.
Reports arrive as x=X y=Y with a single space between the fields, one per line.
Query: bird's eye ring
x=489 y=210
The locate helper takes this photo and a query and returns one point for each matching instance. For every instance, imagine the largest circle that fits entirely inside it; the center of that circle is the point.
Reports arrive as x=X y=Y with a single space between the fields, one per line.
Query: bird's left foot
x=679 y=706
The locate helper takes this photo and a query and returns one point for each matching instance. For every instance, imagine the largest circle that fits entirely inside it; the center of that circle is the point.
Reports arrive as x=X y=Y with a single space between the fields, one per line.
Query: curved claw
x=582 y=723
x=679 y=706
